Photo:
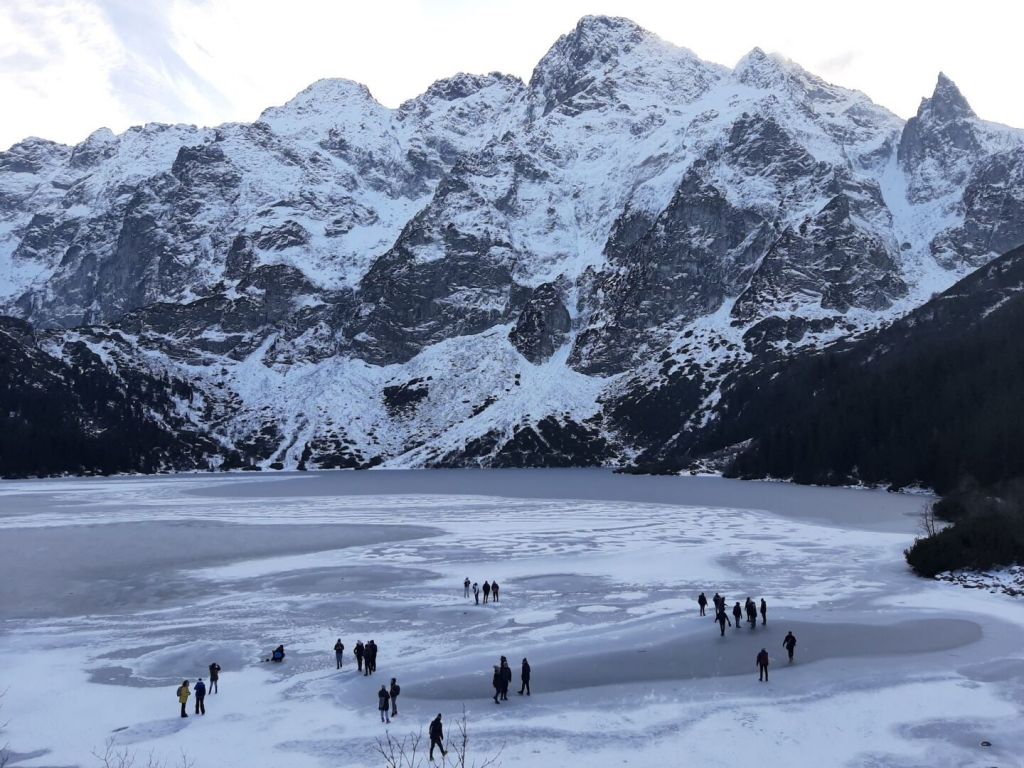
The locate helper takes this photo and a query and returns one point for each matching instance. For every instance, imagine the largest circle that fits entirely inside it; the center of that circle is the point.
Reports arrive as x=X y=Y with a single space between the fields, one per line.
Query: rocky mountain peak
x=946 y=103
x=940 y=143
x=579 y=58
x=329 y=99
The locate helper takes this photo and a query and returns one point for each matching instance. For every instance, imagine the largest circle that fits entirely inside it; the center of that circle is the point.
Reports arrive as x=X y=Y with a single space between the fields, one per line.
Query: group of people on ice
x=199 y=690
x=502 y=679
x=490 y=590
x=751 y=609
x=722 y=614
x=366 y=656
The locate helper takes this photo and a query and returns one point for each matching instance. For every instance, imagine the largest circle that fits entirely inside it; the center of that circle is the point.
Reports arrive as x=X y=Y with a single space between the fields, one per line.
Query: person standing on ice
x=764 y=612
x=737 y=613
x=751 y=613
x=496 y=682
x=339 y=651
x=465 y=586
x=524 y=675
x=383 y=701
x=722 y=618
x=437 y=737
x=200 y=691
x=762 y=665
x=494 y=591
x=702 y=601
x=359 y=651
x=719 y=602
x=487 y=591
x=370 y=658
x=506 y=678
x=789 y=643
x=394 y=691
x=476 y=592
x=214 y=676
x=183 y=694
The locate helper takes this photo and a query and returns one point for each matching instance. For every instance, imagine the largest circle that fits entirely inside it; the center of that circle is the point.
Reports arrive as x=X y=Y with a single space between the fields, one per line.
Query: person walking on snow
x=722 y=618
x=737 y=613
x=214 y=676
x=200 y=691
x=789 y=643
x=496 y=682
x=751 y=613
x=183 y=694
x=476 y=592
x=359 y=651
x=465 y=587
x=524 y=675
x=719 y=602
x=494 y=591
x=394 y=691
x=764 y=612
x=762 y=666
x=436 y=731
x=487 y=591
x=339 y=651
x=383 y=700
x=702 y=601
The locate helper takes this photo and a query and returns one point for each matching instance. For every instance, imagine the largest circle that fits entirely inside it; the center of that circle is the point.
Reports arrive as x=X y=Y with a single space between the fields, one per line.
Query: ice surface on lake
x=117 y=589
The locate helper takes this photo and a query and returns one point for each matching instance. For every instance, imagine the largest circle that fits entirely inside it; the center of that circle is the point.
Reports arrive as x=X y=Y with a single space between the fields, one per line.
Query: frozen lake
x=117 y=589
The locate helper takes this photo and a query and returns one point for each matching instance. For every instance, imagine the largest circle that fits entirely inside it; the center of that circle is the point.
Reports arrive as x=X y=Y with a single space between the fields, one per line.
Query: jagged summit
x=462 y=85
x=321 y=97
x=946 y=102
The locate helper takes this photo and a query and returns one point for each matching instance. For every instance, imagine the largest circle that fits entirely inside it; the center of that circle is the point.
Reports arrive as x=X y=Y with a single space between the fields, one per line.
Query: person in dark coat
x=496 y=682
x=437 y=736
x=383 y=701
x=764 y=612
x=465 y=587
x=702 y=601
x=370 y=658
x=494 y=591
x=214 y=676
x=789 y=643
x=723 y=618
x=524 y=675
x=339 y=651
x=506 y=678
x=359 y=651
x=200 y=692
x=737 y=613
x=751 y=613
x=476 y=592
x=487 y=591
x=183 y=694
x=394 y=690
x=762 y=666
x=719 y=602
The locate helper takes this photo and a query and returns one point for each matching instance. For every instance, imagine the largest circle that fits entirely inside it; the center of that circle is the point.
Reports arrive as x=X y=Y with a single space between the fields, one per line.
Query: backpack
x=177 y=693
x=397 y=689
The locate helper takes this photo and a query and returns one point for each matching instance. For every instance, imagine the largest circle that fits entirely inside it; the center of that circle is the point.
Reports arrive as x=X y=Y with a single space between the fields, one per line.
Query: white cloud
x=70 y=66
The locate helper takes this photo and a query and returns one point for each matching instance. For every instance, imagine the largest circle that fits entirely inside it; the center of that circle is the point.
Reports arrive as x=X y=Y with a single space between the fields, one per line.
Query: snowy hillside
x=554 y=272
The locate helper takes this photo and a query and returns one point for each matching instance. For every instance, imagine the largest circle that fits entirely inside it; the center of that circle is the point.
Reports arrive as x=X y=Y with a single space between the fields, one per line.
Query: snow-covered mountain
x=498 y=272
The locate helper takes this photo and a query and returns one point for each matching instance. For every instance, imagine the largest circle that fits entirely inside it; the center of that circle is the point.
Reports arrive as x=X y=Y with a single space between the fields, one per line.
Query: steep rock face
x=543 y=324
x=496 y=272
x=826 y=262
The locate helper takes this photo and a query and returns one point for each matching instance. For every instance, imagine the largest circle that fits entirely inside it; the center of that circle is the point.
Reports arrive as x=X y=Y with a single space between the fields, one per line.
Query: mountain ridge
x=527 y=267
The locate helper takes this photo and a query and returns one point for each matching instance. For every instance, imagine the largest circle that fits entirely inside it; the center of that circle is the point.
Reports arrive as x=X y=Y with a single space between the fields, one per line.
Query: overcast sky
x=68 y=67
